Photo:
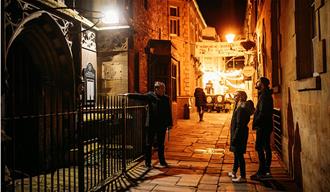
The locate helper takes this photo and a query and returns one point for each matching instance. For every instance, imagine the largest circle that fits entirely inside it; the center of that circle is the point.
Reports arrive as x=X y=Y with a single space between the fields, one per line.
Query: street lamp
x=112 y=20
x=111 y=17
x=230 y=37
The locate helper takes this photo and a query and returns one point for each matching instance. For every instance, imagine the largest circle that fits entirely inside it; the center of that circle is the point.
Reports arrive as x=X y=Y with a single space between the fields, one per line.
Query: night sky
x=225 y=15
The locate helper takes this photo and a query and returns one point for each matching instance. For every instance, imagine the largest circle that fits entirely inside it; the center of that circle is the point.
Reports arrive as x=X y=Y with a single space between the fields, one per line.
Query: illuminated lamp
x=209 y=99
x=219 y=99
x=230 y=37
x=111 y=17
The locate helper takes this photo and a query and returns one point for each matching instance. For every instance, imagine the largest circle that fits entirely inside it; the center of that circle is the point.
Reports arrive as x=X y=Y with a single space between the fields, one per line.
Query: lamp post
x=230 y=39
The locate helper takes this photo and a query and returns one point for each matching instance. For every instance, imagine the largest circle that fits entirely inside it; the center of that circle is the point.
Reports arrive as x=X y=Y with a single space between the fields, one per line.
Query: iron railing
x=80 y=150
x=277 y=130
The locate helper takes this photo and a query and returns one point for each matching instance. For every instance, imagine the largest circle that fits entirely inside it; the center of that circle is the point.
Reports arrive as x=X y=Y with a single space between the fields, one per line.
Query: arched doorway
x=40 y=87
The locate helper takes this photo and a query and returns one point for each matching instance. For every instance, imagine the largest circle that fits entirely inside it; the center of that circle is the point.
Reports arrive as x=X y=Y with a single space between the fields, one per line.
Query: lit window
x=174 y=21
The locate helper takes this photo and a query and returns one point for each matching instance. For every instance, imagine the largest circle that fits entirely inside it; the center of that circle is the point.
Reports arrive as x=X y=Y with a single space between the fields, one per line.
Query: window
x=136 y=71
x=173 y=81
x=145 y=4
x=305 y=32
x=174 y=21
x=275 y=49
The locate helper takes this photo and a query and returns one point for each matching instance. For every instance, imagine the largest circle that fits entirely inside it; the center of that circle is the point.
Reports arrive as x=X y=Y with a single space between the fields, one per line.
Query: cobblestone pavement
x=199 y=159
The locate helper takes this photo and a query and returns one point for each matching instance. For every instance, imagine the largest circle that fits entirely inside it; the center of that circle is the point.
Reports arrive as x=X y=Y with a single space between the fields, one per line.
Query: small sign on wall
x=114 y=74
x=90 y=84
x=248 y=71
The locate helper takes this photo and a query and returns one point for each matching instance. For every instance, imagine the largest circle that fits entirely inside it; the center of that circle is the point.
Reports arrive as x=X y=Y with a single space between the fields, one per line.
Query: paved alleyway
x=199 y=159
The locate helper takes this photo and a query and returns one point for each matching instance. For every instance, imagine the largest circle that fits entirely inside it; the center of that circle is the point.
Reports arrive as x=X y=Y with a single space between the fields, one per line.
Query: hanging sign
x=219 y=49
x=248 y=71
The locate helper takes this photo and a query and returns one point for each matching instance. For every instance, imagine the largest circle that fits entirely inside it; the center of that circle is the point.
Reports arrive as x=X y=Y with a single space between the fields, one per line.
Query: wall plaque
x=90 y=84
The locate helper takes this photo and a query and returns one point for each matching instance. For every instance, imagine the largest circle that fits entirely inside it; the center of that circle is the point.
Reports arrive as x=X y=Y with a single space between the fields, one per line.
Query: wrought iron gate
x=80 y=150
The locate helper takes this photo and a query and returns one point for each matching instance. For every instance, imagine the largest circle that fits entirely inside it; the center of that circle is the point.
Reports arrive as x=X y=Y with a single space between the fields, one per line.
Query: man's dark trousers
x=160 y=136
x=264 y=150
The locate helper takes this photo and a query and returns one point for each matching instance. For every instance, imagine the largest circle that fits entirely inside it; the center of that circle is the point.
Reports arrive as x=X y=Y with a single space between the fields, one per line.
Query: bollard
x=186 y=113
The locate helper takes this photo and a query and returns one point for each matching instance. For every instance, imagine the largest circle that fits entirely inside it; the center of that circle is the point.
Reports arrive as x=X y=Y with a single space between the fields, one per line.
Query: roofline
x=199 y=13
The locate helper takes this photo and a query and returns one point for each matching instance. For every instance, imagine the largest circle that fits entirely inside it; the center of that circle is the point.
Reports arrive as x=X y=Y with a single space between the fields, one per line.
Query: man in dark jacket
x=200 y=102
x=263 y=124
x=159 y=119
x=239 y=132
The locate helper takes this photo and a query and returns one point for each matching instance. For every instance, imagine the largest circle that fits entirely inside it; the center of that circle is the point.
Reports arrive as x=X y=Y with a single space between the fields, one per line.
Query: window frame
x=305 y=33
x=174 y=21
x=173 y=80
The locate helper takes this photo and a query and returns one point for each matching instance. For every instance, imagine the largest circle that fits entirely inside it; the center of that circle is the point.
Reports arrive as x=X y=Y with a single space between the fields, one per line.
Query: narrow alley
x=87 y=84
x=199 y=159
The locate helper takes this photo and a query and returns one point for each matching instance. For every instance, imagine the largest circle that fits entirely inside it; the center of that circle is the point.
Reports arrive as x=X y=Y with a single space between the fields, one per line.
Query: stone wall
x=304 y=103
x=305 y=108
x=306 y=113
x=112 y=61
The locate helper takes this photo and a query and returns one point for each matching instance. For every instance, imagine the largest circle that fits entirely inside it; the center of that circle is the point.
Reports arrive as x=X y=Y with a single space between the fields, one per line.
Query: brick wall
x=153 y=23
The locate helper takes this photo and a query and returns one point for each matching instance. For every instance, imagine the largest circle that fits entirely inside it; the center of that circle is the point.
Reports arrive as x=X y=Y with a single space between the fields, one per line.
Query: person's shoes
x=148 y=165
x=239 y=180
x=231 y=174
x=257 y=176
x=163 y=165
x=268 y=174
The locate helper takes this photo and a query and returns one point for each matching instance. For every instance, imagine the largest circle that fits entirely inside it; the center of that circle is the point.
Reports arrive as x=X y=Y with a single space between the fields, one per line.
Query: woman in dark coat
x=200 y=102
x=239 y=132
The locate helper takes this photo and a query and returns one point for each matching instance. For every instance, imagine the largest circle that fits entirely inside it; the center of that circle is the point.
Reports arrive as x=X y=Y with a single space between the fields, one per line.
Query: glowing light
x=240 y=78
x=114 y=27
x=209 y=99
x=232 y=74
x=230 y=37
x=238 y=86
x=223 y=89
x=111 y=17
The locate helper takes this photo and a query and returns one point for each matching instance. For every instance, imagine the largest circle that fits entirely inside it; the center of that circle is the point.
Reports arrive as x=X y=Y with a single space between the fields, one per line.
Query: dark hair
x=159 y=84
x=242 y=95
x=250 y=106
x=264 y=81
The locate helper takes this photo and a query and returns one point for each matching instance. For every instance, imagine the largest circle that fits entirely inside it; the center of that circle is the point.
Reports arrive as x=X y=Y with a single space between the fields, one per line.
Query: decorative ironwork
x=117 y=41
x=16 y=11
x=123 y=45
x=65 y=27
x=277 y=130
x=88 y=40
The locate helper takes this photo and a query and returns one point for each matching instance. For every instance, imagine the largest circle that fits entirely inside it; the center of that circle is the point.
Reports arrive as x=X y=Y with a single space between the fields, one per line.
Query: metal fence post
x=124 y=133
x=80 y=139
